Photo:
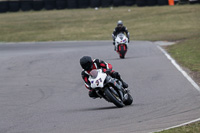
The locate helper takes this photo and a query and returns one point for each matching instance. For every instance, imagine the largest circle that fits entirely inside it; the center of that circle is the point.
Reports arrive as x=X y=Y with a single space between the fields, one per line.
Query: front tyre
x=129 y=101
x=114 y=98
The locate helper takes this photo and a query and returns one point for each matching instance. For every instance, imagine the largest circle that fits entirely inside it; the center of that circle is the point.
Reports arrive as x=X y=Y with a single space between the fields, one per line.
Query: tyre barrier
x=129 y=2
x=49 y=4
x=38 y=5
x=26 y=5
x=72 y=4
x=118 y=2
x=151 y=2
x=95 y=3
x=194 y=1
x=106 y=3
x=13 y=5
x=3 y=6
x=162 y=2
x=83 y=3
x=141 y=3
x=61 y=4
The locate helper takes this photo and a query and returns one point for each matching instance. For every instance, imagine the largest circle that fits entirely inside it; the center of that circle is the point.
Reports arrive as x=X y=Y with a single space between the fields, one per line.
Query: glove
x=108 y=71
x=116 y=75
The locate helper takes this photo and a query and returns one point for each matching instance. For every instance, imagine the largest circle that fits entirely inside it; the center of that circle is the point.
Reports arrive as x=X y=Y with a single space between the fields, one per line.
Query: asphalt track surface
x=41 y=90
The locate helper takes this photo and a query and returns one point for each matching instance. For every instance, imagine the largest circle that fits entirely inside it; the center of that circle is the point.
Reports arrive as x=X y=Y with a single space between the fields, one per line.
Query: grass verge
x=187 y=53
x=190 y=128
x=147 y=23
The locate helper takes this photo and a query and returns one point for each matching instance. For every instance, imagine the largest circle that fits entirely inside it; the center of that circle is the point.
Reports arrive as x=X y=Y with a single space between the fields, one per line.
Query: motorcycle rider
x=88 y=65
x=120 y=29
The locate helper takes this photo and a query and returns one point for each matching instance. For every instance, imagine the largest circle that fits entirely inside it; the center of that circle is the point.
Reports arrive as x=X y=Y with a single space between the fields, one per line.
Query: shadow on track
x=128 y=58
x=91 y=109
x=95 y=109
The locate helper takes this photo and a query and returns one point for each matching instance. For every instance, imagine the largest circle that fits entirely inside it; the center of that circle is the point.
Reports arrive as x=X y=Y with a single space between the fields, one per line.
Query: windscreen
x=94 y=73
x=121 y=36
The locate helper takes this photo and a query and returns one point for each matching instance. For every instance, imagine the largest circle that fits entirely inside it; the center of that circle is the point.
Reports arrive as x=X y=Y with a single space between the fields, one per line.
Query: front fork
x=116 y=85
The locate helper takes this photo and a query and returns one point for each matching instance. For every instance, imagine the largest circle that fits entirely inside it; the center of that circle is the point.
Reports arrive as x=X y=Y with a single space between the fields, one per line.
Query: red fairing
x=104 y=70
x=86 y=87
x=94 y=67
x=109 y=66
x=102 y=65
x=86 y=80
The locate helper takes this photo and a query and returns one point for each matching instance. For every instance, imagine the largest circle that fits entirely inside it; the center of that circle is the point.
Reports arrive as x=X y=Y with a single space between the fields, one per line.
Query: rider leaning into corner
x=120 y=29
x=88 y=65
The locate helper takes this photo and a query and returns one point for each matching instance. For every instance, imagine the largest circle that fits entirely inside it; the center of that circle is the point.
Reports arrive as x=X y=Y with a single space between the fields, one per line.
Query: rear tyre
x=95 y=3
x=83 y=3
x=129 y=2
x=141 y=3
x=38 y=5
x=61 y=4
x=122 y=51
x=162 y=2
x=49 y=4
x=129 y=101
x=3 y=6
x=26 y=5
x=118 y=2
x=114 y=98
x=72 y=4
x=14 y=6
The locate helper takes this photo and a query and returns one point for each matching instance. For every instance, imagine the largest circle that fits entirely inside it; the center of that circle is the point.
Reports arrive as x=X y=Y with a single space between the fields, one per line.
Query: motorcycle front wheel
x=129 y=100
x=114 y=98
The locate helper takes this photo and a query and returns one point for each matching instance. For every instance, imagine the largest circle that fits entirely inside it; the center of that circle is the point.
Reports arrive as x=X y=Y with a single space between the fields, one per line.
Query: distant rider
x=88 y=65
x=120 y=29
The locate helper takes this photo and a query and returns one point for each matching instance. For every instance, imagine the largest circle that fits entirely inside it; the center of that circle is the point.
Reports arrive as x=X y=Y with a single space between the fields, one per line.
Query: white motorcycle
x=121 y=45
x=109 y=88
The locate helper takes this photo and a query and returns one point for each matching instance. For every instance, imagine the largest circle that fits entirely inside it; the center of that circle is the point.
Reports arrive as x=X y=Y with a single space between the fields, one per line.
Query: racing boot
x=93 y=94
x=124 y=84
x=117 y=76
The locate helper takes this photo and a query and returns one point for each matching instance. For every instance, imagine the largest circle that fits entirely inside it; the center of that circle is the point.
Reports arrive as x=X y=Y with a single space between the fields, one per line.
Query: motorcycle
x=109 y=88
x=121 y=45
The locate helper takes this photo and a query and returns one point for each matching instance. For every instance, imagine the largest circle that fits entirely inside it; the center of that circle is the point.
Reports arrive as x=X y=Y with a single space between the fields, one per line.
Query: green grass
x=187 y=53
x=190 y=128
x=147 y=23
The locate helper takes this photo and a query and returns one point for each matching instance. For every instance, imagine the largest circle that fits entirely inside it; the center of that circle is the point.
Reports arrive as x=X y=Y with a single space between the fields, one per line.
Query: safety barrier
x=3 y=5
x=95 y=3
x=27 y=5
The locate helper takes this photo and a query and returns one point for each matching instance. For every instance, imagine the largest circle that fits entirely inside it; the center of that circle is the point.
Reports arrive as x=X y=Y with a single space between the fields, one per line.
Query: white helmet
x=119 y=23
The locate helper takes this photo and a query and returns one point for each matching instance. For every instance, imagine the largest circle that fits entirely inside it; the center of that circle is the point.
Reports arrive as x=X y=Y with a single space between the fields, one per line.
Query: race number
x=98 y=81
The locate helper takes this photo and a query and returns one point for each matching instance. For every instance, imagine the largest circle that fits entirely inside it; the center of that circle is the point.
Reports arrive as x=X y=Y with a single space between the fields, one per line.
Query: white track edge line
x=180 y=69
x=188 y=78
x=178 y=125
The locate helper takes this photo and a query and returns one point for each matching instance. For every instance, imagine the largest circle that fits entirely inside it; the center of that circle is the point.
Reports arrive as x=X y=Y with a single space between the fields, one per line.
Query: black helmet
x=86 y=63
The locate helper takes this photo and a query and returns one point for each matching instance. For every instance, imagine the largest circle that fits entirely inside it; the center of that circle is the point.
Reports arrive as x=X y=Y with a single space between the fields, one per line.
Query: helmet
x=86 y=63
x=119 y=23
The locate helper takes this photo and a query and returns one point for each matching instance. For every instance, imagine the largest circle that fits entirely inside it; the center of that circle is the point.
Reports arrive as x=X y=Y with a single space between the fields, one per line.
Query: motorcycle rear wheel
x=122 y=51
x=114 y=98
